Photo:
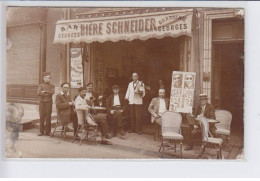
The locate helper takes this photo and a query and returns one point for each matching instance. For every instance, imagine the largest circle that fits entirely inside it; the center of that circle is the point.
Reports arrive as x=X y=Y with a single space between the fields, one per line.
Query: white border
x=153 y=168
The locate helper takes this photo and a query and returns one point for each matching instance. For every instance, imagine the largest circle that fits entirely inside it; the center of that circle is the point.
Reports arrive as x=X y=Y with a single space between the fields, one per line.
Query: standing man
x=135 y=93
x=116 y=108
x=65 y=106
x=158 y=106
x=45 y=92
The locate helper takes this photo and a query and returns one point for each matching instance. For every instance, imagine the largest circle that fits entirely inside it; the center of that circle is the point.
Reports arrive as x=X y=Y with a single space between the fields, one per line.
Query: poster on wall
x=182 y=91
x=76 y=74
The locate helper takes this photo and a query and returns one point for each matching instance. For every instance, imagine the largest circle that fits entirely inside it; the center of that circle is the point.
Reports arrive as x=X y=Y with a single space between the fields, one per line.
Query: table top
x=98 y=108
x=213 y=121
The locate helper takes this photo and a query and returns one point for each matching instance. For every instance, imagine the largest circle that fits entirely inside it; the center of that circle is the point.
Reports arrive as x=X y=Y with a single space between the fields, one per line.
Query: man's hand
x=112 y=111
x=71 y=103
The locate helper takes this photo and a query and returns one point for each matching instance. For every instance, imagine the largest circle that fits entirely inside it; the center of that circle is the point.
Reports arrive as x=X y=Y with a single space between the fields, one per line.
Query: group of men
x=79 y=110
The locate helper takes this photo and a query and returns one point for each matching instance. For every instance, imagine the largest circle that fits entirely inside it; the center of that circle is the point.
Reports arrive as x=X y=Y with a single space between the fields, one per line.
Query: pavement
x=134 y=146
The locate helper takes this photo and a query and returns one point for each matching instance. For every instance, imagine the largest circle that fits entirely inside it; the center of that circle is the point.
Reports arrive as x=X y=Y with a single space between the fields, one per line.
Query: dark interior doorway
x=229 y=80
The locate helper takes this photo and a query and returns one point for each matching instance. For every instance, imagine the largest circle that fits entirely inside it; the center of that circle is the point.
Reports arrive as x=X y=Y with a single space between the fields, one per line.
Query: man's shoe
x=189 y=147
x=131 y=131
x=122 y=133
x=139 y=133
x=39 y=134
x=105 y=142
x=48 y=134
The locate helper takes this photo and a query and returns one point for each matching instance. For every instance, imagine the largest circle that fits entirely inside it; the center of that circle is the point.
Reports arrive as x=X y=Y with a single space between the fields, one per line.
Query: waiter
x=45 y=92
x=135 y=93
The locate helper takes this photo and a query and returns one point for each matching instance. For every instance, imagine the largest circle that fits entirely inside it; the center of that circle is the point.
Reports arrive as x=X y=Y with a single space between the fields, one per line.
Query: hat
x=90 y=83
x=46 y=74
x=115 y=87
x=81 y=89
x=203 y=96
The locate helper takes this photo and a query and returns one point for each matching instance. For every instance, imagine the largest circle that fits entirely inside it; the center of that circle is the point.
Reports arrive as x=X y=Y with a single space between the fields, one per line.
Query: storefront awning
x=141 y=26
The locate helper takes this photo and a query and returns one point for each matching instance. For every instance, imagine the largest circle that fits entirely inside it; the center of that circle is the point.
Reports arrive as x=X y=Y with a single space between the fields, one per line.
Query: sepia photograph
x=125 y=83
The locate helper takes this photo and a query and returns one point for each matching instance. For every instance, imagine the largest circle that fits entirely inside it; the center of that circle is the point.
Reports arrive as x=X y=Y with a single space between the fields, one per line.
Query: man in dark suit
x=45 y=92
x=206 y=110
x=158 y=106
x=116 y=107
x=65 y=106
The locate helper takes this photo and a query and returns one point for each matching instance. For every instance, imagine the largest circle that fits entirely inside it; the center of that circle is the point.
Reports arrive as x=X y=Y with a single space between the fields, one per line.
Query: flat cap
x=46 y=74
x=115 y=87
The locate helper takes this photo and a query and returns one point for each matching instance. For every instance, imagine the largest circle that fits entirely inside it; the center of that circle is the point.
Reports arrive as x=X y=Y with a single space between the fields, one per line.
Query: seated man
x=206 y=110
x=65 y=106
x=158 y=106
x=99 y=117
x=82 y=109
x=116 y=107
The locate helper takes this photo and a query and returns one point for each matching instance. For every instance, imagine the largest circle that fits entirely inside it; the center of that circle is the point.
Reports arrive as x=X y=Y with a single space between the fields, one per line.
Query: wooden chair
x=171 y=130
x=64 y=127
x=208 y=140
x=85 y=130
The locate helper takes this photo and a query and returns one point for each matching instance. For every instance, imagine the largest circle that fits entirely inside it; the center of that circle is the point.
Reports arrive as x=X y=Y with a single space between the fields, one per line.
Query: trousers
x=136 y=117
x=45 y=109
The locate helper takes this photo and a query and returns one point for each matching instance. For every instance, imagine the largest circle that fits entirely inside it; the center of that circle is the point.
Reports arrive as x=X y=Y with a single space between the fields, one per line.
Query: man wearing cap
x=206 y=110
x=45 y=92
x=65 y=106
x=116 y=107
x=134 y=94
x=83 y=108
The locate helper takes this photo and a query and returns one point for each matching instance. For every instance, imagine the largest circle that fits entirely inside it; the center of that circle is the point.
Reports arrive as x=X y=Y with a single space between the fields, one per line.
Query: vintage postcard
x=125 y=83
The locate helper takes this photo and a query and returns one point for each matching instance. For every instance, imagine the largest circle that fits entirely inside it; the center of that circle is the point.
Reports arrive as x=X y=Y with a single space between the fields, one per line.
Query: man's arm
x=51 y=91
x=61 y=105
x=79 y=105
x=151 y=108
x=39 y=91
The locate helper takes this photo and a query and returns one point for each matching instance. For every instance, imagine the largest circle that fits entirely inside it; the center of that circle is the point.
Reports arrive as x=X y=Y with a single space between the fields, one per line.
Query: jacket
x=65 y=110
x=49 y=91
x=110 y=102
x=132 y=96
x=154 y=107
x=208 y=113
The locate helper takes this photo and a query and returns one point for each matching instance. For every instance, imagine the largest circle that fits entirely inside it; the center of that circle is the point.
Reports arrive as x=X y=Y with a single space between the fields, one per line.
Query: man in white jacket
x=135 y=93
x=82 y=109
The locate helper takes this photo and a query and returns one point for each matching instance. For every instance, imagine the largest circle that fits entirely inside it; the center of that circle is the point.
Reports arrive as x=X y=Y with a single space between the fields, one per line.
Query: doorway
x=228 y=83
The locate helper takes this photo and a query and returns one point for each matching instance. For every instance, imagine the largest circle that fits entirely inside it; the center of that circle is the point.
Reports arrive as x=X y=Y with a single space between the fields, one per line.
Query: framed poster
x=76 y=68
x=182 y=91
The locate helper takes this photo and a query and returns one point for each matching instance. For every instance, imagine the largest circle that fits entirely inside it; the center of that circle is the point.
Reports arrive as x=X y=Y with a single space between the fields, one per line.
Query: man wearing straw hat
x=206 y=110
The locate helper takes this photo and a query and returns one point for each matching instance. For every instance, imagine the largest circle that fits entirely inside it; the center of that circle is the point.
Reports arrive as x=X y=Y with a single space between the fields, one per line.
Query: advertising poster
x=182 y=91
x=76 y=74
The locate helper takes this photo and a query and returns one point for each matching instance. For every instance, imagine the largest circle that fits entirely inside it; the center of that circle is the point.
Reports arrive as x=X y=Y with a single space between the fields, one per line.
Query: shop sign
x=182 y=91
x=123 y=28
x=76 y=68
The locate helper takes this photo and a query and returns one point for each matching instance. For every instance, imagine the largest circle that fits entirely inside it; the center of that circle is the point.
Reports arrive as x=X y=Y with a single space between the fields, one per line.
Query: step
x=53 y=124
x=29 y=124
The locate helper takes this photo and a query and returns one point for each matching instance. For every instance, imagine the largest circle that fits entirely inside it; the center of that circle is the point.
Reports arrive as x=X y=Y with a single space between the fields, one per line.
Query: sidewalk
x=134 y=146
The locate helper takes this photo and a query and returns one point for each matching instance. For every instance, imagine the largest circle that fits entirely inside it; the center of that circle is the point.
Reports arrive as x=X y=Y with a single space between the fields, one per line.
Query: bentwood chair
x=64 y=127
x=223 y=128
x=85 y=130
x=208 y=141
x=171 y=130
